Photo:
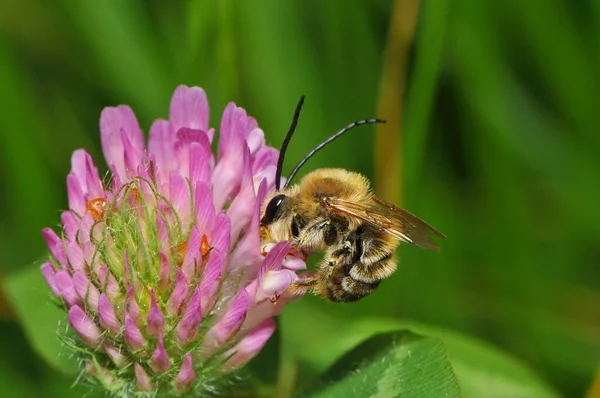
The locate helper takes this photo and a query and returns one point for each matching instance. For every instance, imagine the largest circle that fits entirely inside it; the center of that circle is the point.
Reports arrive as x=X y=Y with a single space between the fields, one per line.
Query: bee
x=333 y=211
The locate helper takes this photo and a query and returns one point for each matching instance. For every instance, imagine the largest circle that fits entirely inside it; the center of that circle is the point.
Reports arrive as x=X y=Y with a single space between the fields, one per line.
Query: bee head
x=273 y=210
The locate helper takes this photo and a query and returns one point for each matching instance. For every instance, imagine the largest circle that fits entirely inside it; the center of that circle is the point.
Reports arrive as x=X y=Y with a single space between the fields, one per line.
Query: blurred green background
x=493 y=138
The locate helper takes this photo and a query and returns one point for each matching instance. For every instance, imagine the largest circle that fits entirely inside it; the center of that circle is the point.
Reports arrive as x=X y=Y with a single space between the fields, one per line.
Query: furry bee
x=334 y=211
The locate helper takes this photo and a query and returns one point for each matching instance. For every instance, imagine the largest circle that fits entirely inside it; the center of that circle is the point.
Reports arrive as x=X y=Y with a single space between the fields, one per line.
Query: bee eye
x=273 y=210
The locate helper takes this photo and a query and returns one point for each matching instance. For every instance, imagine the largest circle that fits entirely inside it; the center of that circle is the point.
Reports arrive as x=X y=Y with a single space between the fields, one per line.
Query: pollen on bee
x=264 y=233
x=96 y=207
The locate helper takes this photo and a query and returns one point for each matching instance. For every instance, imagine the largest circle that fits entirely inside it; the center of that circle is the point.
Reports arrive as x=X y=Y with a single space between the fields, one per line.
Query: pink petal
x=186 y=376
x=75 y=194
x=235 y=123
x=246 y=255
x=133 y=336
x=186 y=138
x=227 y=175
x=70 y=224
x=243 y=205
x=252 y=289
x=161 y=145
x=273 y=260
x=274 y=283
x=261 y=311
x=132 y=156
x=107 y=316
x=87 y=330
x=211 y=279
x=108 y=283
x=78 y=167
x=117 y=182
x=294 y=263
x=162 y=233
x=56 y=246
x=264 y=158
x=179 y=295
x=89 y=256
x=86 y=290
x=189 y=108
x=221 y=239
x=145 y=171
x=199 y=165
x=93 y=182
x=251 y=344
x=64 y=283
x=211 y=134
x=156 y=319
x=192 y=258
x=165 y=274
x=160 y=362
x=48 y=272
x=83 y=167
x=142 y=380
x=131 y=306
x=187 y=329
x=179 y=195
x=86 y=223
x=275 y=257
x=129 y=276
x=116 y=356
x=255 y=140
x=268 y=175
x=75 y=256
x=231 y=322
x=116 y=123
x=204 y=209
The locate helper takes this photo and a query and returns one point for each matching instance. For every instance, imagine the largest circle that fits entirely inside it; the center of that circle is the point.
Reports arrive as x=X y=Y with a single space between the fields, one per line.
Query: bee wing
x=392 y=220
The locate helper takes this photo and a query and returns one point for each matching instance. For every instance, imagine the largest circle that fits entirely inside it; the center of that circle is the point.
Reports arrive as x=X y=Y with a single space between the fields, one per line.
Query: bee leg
x=322 y=224
x=312 y=236
x=302 y=285
x=348 y=246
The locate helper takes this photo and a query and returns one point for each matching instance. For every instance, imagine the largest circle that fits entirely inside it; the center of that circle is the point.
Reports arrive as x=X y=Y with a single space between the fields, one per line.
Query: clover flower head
x=161 y=269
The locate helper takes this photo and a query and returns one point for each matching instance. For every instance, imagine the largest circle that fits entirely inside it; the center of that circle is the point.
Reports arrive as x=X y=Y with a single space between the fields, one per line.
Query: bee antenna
x=326 y=142
x=286 y=141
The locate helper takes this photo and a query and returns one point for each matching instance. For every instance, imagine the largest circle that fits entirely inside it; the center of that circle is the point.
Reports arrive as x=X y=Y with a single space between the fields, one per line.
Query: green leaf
x=397 y=364
x=39 y=317
x=482 y=370
x=24 y=375
x=485 y=371
x=17 y=370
